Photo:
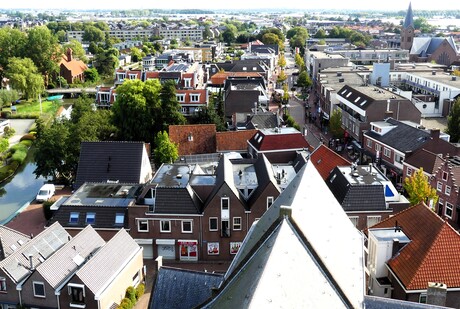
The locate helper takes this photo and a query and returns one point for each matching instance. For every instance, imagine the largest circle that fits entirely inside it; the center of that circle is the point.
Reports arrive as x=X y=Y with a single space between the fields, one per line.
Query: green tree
x=43 y=48
x=170 y=108
x=270 y=38
x=335 y=124
x=453 y=122
x=136 y=54
x=4 y=145
x=229 y=35
x=165 y=150
x=7 y=97
x=304 y=81
x=106 y=61
x=282 y=61
x=12 y=44
x=24 y=77
x=93 y=34
x=78 y=51
x=91 y=75
x=61 y=36
x=419 y=190
x=320 y=34
x=299 y=62
x=282 y=77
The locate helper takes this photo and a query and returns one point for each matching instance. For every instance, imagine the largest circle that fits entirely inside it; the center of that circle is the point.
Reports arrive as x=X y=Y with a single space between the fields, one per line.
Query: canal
x=17 y=192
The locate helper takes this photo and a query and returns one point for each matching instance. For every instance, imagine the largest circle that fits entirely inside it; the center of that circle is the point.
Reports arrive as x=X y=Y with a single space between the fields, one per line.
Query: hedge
x=28 y=137
x=47 y=209
x=19 y=156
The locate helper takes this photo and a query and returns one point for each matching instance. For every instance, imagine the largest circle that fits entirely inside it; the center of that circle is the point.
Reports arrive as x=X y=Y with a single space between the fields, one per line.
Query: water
x=19 y=191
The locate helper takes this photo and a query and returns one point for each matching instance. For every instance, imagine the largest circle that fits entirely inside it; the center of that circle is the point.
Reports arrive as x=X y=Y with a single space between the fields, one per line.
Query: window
x=225 y=203
x=213 y=224
x=187 y=226
x=194 y=98
x=90 y=218
x=369 y=143
x=387 y=152
x=354 y=220
x=378 y=147
x=439 y=186
x=447 y=190
x=373 y=220
x=165 y=226
x=237 y=223
x=409 y=172
x=445 y=176
x=77 y=295
x=143 y=225
x=225 y=228
x=120 y=218
x=180 y=98
x=422 y=299
x=269 y=201
x=449 y=210
x=2 y=284
x=39 y=289
x=74 y=217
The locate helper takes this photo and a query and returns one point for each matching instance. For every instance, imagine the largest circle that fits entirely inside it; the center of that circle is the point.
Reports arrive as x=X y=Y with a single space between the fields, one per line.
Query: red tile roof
x=204 y=138
x=220 y=77
x=152 y=75
x=433 y=254
x=234 y=140
x=325 y=160
x=279 y=141
x=76 y=67
x=188 y=92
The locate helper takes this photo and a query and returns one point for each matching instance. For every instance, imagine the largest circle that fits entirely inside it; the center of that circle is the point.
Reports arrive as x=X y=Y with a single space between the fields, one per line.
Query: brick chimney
x=69 y=54
x=436 y=294
x=435 y=133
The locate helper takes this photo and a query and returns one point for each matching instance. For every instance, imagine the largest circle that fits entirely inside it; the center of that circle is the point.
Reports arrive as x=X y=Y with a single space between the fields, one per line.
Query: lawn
x=33 y=107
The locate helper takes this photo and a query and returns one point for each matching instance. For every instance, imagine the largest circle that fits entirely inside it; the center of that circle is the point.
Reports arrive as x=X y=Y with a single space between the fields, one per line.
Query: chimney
x=388 y=114
x=395 y=247
x=435 y=133
x=159 y=262
x=31 y=261
x=436 y=294
x=69 y=54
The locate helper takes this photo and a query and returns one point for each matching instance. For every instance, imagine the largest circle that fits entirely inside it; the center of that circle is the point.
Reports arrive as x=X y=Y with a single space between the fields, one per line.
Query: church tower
x=407 y=31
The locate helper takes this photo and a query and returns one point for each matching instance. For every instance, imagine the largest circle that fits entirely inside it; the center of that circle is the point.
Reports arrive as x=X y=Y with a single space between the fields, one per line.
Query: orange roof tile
x=433 y=254
x=234 y=140
x=220 y=77
x=204 y=138
x=76 y=67
x=325 y=160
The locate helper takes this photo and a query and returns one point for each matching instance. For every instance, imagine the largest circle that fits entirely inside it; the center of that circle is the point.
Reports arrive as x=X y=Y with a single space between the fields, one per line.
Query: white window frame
x=222 y=199
x=191 y=226
x=451 y=209
x=162 y=230
x=378 y=219
x=91 y=216
x=409 y=172
x=354 y=220
x=447 y=190
x=439 y=186
x=217 y=224
x=387 y=152
x=194 y=97
x=35 y=292
x=143 y=221
x=422 y=298
x=270 y=200
x=378 y=147
x=237 y=226
x=369 y=143
x=180 y=97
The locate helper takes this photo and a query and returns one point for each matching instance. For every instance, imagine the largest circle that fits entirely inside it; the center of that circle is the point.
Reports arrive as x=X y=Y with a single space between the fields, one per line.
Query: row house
x=442 y=171
x=105 y=96
x=414 y=256
x=370 y=56
x=55 y=270
x=361 y=105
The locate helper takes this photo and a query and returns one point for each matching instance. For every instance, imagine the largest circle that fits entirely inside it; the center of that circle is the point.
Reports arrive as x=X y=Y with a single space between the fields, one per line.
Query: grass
x=33 y=107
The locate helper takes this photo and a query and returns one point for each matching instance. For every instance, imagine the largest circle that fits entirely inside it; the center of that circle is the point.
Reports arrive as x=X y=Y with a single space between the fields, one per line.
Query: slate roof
x=180 y=288
x=67 y=259
x=425 y=159
x=283 y=139
x=325 y=160
x=409 y=19
x=233 y=140
x=265 y=176
x=266 y=120
x=290 y=242
x=357 y=196
x=355 y=97
x=108 y=262
x=425 y=46
x=102 y=161
x=204 y=138
x=104 y=216
x=433 y=253
x=403 y=137
x=10 y=240
x=41 y=247
x=373 y=302
x=174 y=200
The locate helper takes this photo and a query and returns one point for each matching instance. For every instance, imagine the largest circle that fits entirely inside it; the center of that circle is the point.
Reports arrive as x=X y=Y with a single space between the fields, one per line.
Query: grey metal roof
x=372 y=302
x=266 y=120
x=403 y=137
x=180 y=288
x=102 y=161
x=40 y=248
x=308 y=198
x=67 y=259
x=10 y=241
x=107 y=262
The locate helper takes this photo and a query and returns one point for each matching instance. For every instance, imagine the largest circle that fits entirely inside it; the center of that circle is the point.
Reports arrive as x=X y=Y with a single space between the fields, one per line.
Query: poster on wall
x=234 y=247
x=213 y=248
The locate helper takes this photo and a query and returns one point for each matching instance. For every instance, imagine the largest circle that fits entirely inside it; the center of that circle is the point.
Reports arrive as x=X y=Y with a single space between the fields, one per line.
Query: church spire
x=409 y=20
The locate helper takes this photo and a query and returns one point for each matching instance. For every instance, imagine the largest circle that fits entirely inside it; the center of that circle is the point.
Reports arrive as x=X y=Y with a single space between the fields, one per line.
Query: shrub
x=25 y=116
x=27 y=143
x=47 y=209
x=28 y=137
x=125 y=304
x=140 y=290
x=20 y=147
x=5 y=114
x=8 y=132
x=19 y=156
x=131 y=294
x=8 y=170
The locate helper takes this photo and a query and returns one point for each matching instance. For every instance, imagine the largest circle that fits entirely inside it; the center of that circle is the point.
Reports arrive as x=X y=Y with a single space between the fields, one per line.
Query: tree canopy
x=165 y=151
x=419 y=190
x=335 y=124
x=453 y=122
x=24 y=77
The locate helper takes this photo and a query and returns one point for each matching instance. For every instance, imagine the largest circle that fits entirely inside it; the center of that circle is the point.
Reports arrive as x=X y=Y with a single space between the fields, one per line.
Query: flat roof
x=440 y=77
x=363 y=175
x=387 y=234
x=280 y=130
x=103 y=194
x=173 y=175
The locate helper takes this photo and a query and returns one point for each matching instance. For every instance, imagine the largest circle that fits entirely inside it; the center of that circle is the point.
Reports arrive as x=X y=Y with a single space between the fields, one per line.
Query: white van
x=45 y=192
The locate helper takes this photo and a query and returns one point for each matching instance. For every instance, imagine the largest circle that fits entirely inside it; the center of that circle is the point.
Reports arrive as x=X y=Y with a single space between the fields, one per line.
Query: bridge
x=71 y=91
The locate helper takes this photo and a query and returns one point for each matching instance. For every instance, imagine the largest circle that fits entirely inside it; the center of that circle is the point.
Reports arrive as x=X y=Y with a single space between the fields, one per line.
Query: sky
x=390 y=5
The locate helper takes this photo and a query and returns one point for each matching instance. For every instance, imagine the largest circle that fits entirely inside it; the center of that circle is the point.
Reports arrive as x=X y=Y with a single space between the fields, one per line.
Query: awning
x=165 y=241
x=187 y=242
x=143 y=241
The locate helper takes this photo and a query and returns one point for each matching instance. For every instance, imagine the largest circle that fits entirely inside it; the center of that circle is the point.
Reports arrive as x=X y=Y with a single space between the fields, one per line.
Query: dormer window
x=180 y=98
x=194 y=98
x=376 y=129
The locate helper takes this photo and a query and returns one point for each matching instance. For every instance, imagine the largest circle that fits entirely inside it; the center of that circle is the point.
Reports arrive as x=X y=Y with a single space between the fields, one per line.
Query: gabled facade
x=10 y=240
x=409 y=251
x=72 y=69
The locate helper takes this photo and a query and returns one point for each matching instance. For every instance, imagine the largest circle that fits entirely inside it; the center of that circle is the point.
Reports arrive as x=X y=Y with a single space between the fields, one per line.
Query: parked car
x=45 y=192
